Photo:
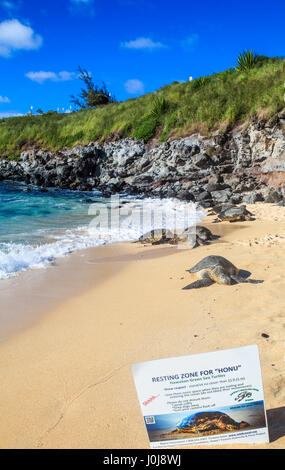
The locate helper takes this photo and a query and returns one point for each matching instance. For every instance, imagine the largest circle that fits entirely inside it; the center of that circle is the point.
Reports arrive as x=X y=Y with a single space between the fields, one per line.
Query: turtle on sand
x=234 y=213
x=203 y=234
x=162 y=235
x=159 y=236
x=208 y=422
x=219 y=208
x=217 y=269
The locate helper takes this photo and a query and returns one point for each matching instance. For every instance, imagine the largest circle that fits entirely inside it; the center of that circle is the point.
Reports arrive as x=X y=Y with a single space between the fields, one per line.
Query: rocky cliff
x=243 y=164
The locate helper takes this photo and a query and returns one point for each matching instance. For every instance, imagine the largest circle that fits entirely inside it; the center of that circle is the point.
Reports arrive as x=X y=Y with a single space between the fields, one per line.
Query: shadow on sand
x=276 y=423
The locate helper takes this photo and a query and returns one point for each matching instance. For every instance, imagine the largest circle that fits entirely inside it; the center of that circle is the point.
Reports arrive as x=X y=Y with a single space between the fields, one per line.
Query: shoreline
x=45 y=289
x=66 y=378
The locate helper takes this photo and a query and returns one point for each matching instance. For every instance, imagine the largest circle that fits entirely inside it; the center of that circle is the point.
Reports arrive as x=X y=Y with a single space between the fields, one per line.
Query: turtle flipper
x=241 y=279
x=200 y=283
x=158 y=242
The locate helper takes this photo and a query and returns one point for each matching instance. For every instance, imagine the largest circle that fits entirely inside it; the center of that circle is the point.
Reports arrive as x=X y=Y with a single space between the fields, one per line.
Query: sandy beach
x=65 y=368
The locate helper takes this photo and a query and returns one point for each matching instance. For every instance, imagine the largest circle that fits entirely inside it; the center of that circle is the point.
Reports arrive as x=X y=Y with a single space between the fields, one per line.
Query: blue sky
x=135 y=46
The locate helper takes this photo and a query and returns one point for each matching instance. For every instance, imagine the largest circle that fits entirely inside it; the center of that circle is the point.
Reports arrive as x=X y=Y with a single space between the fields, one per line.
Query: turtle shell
x=204 y=233
x=220 y=208
x=212 y=261
x=234 y=211
x=156 y=234
x=208 y=421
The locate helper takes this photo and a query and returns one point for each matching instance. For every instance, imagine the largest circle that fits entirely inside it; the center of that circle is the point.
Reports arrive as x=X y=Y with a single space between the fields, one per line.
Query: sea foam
x=136 y=216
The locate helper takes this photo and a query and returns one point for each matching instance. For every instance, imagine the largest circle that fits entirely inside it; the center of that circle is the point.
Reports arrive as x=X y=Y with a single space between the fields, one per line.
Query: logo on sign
x=244 y=395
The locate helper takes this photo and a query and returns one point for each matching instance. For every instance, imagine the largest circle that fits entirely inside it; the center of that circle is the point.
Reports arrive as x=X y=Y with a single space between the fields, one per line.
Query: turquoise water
x=39 y=225
x=32 y=215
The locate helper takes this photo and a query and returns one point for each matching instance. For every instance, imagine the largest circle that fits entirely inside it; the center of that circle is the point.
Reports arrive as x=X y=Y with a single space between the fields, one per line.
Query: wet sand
x=66 y=379
x=25 y=298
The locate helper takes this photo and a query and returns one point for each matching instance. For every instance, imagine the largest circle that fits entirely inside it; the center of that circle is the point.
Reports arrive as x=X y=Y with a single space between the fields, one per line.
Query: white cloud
x=42 y=76
x=4 y=99
x=17 y=36
x=10 y=114
x=143 y=43
x=134 y=87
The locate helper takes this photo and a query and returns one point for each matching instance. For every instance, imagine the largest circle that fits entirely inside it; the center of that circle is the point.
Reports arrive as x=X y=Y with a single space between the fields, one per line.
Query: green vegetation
x=249 y=59
x=159 y=106
x=92 y=95
x=14 y=158
x=246 y=60
x=204 y=104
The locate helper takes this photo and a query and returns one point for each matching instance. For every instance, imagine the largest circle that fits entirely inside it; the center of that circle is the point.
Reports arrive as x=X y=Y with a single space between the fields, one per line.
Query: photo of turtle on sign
x=207 y=423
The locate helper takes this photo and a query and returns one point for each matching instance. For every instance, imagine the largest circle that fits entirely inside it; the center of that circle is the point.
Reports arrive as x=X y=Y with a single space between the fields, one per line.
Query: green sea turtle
x=162 y=235
x=208 y=422
x=159 y=236
x=234 y=213
x=219 y=208
x=217 y=269
x=203 y=234
x=196 y=235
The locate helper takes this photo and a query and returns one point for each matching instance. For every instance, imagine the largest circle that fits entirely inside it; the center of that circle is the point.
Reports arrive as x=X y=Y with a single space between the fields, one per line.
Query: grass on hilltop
x=207 y=103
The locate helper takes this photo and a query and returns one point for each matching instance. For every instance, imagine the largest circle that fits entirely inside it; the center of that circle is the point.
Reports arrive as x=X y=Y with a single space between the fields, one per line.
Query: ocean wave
x=134 y=217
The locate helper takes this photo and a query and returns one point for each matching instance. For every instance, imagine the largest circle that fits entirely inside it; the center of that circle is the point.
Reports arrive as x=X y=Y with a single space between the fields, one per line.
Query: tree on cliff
x=91 y=95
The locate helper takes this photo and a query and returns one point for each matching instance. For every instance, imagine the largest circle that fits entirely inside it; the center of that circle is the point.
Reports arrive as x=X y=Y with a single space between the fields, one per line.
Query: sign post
x=210 y=398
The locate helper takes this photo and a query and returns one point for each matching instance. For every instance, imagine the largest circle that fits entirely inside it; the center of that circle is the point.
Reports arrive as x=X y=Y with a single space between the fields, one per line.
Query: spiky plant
x=199 y=82
x=159 y=106
x=246 y=60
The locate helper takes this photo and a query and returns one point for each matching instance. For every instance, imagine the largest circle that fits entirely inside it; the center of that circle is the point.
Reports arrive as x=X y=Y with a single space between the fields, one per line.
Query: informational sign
x=211 y=398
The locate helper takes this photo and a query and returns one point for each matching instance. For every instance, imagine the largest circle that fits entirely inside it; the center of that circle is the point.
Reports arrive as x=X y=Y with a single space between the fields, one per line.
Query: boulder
x=221 y=196
x=239 y=164
x=273 y=197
